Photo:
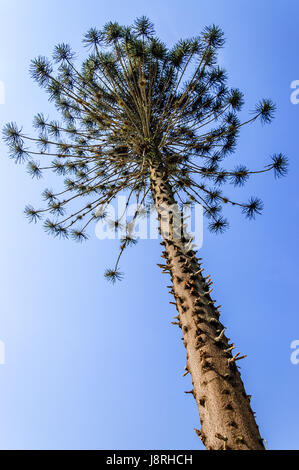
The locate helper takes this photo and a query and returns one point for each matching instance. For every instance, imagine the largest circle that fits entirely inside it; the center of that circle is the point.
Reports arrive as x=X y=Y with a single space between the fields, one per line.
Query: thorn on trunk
x=229 y=349
x=222 y=438
x=213 y=321
x=199 y=271
x=190 y=391
x=162 y=266
x=220 y=337
x=236 y=358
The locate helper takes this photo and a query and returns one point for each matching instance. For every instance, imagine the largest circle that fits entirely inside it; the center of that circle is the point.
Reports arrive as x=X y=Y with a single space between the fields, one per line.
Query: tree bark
x=227 y=420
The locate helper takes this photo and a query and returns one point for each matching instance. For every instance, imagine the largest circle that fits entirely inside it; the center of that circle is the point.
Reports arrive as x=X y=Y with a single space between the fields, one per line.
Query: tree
x=156 y=123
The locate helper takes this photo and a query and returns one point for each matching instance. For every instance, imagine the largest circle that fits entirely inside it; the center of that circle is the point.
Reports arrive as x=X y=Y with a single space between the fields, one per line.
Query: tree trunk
x=227 y=420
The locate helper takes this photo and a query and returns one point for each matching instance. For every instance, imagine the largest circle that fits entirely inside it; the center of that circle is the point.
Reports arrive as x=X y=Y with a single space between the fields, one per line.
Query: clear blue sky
x=91 y=366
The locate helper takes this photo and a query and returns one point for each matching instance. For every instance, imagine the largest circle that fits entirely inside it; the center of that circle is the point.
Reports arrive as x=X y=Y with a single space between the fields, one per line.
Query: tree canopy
x=132 y=102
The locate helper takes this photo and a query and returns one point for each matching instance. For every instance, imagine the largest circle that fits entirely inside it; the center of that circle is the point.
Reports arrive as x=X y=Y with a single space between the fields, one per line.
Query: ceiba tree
x=156 y=124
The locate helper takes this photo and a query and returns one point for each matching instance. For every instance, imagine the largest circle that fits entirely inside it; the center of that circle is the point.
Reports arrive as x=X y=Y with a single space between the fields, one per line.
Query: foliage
x=133 y=102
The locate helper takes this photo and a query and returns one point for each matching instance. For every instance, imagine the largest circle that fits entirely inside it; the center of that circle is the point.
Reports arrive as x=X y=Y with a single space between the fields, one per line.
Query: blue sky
x=91 y=366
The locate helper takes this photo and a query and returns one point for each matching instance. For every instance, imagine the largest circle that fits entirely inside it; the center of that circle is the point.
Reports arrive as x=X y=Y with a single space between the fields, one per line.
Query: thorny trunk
x=227 y=420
